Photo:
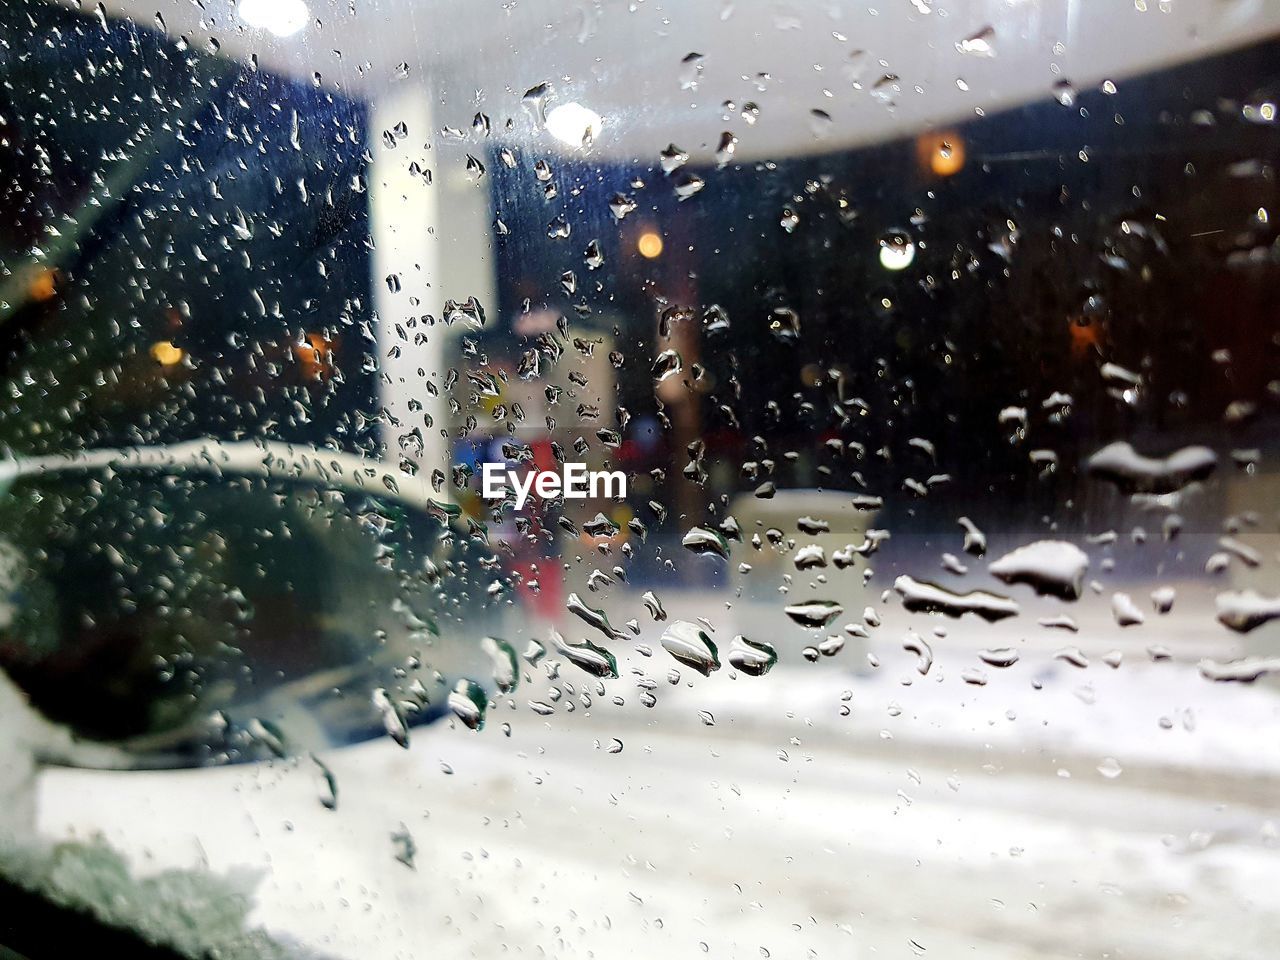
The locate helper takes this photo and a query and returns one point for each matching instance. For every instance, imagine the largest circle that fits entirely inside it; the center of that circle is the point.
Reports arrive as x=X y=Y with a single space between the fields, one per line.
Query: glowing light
x=284 y=18
x=573 y=124
x=315 y=356
x=166 y=354
x=43 y=286
x=649 y=244
x=896 y=251
x=941 y=153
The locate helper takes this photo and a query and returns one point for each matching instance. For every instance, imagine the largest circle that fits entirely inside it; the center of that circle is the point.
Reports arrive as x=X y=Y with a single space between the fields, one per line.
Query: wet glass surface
x=926 y=360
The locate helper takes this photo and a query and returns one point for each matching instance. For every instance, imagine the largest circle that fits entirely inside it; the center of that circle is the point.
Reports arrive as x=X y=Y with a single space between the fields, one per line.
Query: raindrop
x=820 y=124
x=975 y=541
x=1132 y=472
x=593 y=617
x=715 y=319
x=587 y=656
x=1126 y=611
x=999 y=656
x=1052 y=567
x=672 y=158
x=1246 y=610
x=814 y=613
x=688 y=184
x=535 y=102
x=690 y=71
x=979 y=44
x=668 y=363
x=506 y=667
x=700 y=540
x=621 y=205
x=784 y=324
x=328 y=785
x=914 y=643
x=690 y=645
x=752 y=657
x=725 y=149
x=468 y=702
x=392 y=721
x=921 y=596
x=1110 y=768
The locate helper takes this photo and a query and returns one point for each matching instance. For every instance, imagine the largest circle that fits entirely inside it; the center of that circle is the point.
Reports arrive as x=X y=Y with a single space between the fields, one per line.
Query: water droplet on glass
x=752 y=657
x=690 y=71
x=392 y=721
x=1132 y=472
x=535 y=100
x=1110 y=768
x=923 y=597
x=593 y=617
x=668 y=363
x=688 y=184
x=506 y=667
x=1125 y=610
x=725 y=149
x=814 y=613
x=1052 y=567
x=467 y=700
x=587 y=656
x=700 y=540
x=690 y=645
x=715 y=319
x=672 y=158
x=784 y=323
x=980 y=44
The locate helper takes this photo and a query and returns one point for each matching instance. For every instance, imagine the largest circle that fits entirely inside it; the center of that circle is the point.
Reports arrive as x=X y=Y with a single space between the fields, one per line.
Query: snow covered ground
x=832 y=809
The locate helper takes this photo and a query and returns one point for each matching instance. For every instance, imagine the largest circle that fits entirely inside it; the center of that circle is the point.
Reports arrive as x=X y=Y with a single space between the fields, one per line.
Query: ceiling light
x=573 y=124
x=284 y=18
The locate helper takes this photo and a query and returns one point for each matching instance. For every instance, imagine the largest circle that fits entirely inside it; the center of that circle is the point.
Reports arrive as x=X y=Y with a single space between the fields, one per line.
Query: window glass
x=753 y=479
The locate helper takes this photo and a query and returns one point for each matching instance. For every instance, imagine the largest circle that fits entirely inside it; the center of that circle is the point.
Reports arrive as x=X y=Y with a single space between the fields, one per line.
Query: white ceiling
x=623 y=59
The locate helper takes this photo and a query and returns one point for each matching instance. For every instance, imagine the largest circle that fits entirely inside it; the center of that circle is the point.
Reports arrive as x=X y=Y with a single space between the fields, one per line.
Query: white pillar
x=403 y=209
x=433 y=233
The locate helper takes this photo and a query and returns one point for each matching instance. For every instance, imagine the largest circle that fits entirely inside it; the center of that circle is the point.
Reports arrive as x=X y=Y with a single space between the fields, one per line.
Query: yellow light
x=166 y=354
x=942 y=153
x=649 y=245
x=43 y=286
x=315 y=356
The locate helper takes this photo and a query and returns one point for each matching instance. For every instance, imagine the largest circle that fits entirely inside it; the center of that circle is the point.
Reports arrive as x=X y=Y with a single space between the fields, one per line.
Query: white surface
x=623 y=59
x=978 y=821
